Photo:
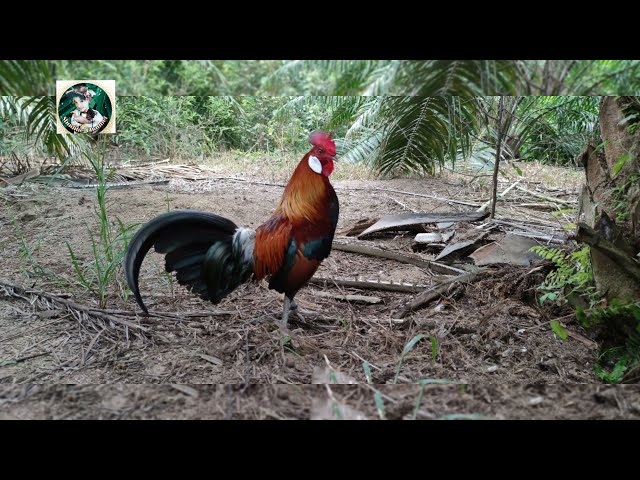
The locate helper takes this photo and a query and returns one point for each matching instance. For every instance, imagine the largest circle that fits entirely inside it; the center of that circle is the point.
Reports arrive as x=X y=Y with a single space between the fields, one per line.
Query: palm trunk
x=609 y=213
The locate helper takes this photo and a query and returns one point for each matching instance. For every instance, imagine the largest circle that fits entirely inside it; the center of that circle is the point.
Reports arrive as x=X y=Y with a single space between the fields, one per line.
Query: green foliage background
x=397 y=116
x=196 y=126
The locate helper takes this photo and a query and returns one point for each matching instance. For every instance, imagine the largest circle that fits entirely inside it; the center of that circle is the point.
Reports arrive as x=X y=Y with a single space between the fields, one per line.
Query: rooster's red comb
x=323 y=140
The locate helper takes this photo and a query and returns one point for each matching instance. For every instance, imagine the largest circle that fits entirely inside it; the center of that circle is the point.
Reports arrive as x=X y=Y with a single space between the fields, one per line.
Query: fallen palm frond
x=82 y=313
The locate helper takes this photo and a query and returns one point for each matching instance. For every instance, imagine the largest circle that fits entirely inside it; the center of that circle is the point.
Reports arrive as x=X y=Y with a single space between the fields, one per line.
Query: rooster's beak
x=335 y=159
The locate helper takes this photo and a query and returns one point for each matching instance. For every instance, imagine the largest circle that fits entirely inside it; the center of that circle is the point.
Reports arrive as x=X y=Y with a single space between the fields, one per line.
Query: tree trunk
x=496 y=165
x=610 y=201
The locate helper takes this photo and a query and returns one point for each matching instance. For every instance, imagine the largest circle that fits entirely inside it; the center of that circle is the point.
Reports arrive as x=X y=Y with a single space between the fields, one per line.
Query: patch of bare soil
x=490 y=332
x=180 y=401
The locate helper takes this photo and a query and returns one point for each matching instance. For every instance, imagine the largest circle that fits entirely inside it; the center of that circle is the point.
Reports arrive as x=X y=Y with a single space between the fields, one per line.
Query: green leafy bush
x=572 y=273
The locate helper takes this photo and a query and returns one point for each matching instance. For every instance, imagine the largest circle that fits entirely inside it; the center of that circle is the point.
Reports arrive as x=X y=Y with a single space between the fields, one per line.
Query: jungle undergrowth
x=572 y=282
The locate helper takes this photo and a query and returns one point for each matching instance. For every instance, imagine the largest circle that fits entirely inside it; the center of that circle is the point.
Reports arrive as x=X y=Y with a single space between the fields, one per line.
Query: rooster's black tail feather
x=198 y=246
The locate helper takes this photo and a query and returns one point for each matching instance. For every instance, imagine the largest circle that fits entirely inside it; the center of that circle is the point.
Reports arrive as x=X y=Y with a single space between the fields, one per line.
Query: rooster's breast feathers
x=290 y=246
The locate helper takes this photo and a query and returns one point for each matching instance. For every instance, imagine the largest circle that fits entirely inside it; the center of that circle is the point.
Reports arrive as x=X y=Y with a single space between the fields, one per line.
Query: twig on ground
x=432 y=293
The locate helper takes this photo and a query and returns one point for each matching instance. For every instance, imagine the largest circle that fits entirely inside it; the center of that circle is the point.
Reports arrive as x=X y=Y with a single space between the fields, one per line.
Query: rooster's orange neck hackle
x=306 y=194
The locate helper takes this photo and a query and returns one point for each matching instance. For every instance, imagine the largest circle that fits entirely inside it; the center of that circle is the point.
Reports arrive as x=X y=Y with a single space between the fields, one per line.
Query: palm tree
x=27 y=89
x=416 y=134
x=472 y=77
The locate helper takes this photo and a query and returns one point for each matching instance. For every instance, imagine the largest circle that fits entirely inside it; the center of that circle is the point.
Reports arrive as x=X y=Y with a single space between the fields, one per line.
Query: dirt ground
x=490 y=335
x=446 y=402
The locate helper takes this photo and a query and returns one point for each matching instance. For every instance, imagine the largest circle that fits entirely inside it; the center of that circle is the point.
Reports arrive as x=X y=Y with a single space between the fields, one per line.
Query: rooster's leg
x=285 y=311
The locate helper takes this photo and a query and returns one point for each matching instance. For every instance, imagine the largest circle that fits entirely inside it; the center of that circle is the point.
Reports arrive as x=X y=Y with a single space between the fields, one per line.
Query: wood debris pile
x=460 y=246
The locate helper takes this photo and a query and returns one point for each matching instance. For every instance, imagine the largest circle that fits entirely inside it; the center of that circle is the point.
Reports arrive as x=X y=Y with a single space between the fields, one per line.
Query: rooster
x=212 y=256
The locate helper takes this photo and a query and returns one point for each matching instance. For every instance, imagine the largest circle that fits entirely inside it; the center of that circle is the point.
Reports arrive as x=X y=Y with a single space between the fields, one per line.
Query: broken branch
x=545 y=197
x=368 y=284
x=399 y=257
x=432 y=293
x=349 y=298
x=484 y=206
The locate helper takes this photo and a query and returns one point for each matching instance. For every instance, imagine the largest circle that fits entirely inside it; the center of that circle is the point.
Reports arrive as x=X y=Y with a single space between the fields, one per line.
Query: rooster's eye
x=320 y=150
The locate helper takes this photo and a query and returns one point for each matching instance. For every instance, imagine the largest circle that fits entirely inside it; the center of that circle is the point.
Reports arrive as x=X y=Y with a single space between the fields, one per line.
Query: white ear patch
x=315 y=164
